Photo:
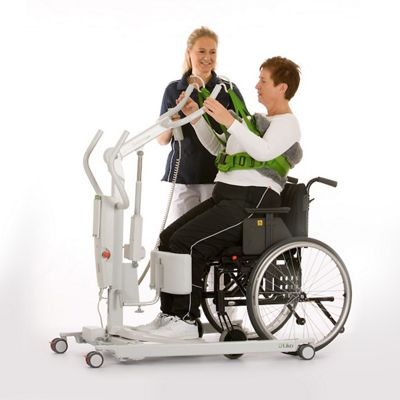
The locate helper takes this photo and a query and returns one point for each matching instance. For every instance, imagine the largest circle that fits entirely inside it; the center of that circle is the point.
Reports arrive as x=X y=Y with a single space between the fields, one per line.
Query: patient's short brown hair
x=283 y=70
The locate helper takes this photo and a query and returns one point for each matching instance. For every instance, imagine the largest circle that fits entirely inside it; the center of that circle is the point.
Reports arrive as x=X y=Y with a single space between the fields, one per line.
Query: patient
x=251 y=180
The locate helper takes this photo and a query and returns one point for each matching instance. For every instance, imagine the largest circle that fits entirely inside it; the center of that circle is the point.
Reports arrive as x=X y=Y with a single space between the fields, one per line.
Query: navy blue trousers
x=204 y=232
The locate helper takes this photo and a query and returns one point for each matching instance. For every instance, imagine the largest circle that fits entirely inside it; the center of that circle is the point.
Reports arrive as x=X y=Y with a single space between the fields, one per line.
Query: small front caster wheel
x=59 y=345
x=235 y=334
x=306 y=352
x=94 y=359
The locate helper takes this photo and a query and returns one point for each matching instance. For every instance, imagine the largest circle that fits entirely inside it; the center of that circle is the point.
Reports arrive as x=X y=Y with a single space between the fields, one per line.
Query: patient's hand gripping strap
x=240 y=110
x=226 y=162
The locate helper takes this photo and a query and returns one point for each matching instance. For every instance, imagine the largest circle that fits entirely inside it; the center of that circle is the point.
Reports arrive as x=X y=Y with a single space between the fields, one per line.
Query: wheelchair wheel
x=237 y=314
x=299 y=289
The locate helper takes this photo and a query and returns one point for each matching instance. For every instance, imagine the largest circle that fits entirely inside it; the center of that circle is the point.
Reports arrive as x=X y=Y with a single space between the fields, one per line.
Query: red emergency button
x=106 y=254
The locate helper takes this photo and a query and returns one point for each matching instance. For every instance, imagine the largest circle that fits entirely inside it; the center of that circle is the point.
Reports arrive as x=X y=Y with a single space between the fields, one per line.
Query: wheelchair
x=280 y=283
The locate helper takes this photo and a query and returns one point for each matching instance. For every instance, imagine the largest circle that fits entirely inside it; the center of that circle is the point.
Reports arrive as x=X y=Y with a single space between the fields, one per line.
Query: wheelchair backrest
x=295 y=196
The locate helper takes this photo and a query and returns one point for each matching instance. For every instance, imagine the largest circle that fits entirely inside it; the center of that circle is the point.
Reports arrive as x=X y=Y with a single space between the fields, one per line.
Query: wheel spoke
x=316 y=309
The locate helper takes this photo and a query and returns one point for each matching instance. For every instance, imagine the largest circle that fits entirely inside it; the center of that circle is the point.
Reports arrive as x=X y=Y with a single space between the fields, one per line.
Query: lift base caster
x=306 y=352
x=94 y=359
x=234 y=334
x=59 y=345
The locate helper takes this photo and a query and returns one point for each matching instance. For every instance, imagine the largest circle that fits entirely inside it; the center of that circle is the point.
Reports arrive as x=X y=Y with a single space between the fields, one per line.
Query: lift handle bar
x=191 y=117
x=88 y=171
x=124 y=147
x=111 y=167
x=164 y=123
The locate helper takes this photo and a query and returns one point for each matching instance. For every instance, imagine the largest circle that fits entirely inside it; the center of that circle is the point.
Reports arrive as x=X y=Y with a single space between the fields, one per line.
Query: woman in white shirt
x=252 y=173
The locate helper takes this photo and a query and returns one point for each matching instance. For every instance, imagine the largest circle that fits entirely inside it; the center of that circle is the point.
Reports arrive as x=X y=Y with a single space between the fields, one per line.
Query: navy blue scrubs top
x=197 y=164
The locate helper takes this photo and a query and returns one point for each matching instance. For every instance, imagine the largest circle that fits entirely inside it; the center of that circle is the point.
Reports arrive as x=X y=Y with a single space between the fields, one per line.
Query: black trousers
x=205 y=231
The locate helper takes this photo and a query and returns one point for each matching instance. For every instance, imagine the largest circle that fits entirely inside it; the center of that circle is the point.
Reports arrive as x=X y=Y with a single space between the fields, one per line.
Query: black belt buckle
x=222 y=158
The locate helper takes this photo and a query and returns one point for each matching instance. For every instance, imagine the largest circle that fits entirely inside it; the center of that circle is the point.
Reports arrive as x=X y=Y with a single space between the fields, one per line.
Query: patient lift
x=117 y=268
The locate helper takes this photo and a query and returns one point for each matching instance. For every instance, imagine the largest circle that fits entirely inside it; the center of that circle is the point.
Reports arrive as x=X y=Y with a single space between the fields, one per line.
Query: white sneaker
x=240 y=318
x=160 y=320
x=177 y=328
x=235 y=314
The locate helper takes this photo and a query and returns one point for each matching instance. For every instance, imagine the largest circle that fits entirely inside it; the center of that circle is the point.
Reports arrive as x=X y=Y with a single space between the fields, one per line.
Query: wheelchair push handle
x=291 y=179
x=325 y=181
x=328 y=182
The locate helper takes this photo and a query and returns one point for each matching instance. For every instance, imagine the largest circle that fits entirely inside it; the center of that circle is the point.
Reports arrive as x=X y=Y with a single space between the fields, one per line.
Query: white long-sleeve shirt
x=282 y=133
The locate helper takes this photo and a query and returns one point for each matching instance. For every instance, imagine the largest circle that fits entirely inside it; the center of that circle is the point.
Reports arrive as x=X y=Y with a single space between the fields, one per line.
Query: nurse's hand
x=216 y=110
x=189 y=108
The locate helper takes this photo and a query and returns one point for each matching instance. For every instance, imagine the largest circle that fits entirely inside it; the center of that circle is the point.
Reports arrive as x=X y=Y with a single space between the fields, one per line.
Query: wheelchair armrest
x=277 y=210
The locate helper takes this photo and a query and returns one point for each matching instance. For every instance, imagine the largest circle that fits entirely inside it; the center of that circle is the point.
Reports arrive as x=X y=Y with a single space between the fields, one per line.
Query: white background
x=70 y=67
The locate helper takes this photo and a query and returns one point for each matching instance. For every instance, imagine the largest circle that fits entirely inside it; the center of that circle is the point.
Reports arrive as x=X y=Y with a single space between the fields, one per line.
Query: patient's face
x=266 y=89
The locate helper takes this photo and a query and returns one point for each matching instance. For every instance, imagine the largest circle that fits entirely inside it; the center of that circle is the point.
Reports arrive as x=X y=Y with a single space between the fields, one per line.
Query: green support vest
x=228 y=162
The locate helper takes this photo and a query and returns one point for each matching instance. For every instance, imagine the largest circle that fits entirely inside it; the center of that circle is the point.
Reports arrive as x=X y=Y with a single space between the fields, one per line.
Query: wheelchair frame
x=237 y=278
x=120 y=278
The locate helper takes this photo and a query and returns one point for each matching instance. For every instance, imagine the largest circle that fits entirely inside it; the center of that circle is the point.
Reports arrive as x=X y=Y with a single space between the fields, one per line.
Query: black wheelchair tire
x=267 y=259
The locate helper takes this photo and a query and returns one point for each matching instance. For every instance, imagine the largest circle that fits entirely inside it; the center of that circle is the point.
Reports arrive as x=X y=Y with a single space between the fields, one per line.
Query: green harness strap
x=242 y=112
x=227 y=162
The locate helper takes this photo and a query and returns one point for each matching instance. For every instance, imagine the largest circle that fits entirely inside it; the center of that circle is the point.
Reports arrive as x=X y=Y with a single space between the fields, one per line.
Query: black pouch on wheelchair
x=257 y=236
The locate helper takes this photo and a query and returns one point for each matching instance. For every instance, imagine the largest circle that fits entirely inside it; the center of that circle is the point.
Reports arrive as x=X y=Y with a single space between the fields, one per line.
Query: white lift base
x=128 y=344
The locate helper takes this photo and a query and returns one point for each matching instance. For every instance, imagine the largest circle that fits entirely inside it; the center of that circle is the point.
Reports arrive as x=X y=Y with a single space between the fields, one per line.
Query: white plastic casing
x=103 y=230
x=170 y=272
x=130 y=289
x=91 y=333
